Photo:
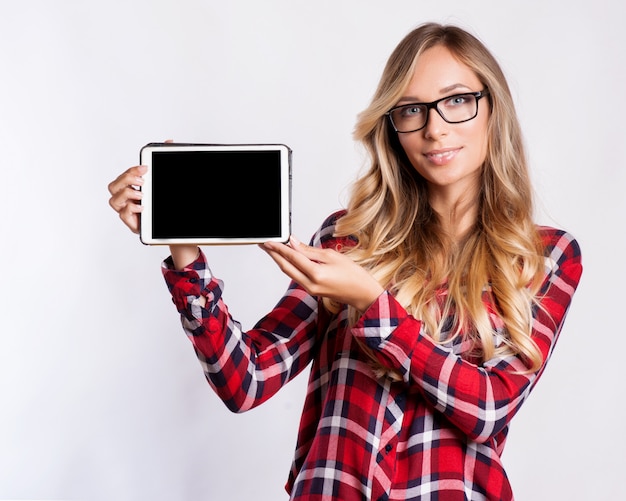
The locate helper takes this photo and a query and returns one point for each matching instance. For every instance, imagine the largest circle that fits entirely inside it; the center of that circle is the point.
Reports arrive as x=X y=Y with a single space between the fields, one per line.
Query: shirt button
x=388 y=448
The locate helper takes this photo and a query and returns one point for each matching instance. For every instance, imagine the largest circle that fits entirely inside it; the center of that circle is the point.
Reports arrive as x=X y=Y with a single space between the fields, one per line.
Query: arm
x=479 y=400
x=244 y=368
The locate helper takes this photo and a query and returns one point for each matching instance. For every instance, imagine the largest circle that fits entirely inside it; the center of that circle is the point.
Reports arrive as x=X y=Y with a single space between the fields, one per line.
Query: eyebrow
x=445 y=90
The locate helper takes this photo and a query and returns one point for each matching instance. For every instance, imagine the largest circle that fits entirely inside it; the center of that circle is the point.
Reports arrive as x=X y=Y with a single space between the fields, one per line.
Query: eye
x=458 y=100
x=411 y=110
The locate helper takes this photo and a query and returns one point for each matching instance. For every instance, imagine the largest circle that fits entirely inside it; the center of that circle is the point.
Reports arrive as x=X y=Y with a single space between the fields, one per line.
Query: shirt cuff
x=390 y=331
x=187 y=285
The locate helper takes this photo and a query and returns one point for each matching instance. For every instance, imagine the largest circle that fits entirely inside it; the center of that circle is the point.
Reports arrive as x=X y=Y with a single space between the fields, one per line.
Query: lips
x=443 y=156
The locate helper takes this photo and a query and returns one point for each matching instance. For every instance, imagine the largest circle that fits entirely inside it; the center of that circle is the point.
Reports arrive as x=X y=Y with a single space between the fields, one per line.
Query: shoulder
x=558 y=243
x=325 y=236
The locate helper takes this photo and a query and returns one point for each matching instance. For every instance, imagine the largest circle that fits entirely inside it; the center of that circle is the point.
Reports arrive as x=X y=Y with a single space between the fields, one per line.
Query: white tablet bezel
x=146 y=217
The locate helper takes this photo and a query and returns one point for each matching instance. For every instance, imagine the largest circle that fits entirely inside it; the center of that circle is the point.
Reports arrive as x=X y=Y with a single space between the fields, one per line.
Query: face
x=449 y=156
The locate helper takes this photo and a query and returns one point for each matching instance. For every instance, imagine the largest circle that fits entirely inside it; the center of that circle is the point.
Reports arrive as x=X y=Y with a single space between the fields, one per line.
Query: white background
x=101 y=395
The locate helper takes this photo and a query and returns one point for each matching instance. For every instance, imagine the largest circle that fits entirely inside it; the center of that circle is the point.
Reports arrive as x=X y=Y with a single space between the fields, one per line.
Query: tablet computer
x=210 y=194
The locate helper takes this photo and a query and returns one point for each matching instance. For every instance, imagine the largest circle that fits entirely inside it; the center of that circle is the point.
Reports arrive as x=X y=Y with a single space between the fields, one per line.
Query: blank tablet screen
x=216 y=194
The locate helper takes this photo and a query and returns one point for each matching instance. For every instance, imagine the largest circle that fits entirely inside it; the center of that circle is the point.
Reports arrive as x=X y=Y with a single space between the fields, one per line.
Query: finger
x=285 y=265
x=296 y=256
x=304 y=248
x=130 y=216
x=293 y=263
x=122 y=198
x=130 y=177
x=315 y=254
x=282 y=253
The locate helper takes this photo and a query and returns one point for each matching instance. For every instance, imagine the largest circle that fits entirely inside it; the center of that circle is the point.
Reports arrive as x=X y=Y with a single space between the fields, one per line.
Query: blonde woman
x=427 y=309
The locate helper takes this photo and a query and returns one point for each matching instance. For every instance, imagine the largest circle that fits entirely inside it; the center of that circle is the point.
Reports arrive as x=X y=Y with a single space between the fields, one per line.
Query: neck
x=457 y=214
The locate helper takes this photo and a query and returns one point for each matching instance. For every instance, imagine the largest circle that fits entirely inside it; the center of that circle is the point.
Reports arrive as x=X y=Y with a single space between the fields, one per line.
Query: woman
x=428 y=308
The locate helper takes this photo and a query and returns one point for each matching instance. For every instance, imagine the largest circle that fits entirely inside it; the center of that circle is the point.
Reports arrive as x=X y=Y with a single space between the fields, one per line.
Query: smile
x=441 y=157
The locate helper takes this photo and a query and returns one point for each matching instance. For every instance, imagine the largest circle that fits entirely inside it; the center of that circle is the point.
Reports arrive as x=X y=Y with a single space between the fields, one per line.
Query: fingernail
x=294 y=241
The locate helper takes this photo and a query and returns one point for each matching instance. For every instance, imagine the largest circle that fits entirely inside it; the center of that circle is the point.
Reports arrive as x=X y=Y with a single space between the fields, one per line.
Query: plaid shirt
x=436 y=435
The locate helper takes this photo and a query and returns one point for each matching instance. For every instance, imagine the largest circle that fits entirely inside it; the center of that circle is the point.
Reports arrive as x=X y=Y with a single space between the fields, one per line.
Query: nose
x=435 y=126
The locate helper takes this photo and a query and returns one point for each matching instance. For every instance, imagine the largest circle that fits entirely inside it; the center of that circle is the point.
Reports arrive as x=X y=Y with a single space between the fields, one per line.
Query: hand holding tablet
x=209 y=194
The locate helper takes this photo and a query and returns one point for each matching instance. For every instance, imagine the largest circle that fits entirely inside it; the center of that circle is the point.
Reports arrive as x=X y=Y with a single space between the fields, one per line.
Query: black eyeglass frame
x=433 y=105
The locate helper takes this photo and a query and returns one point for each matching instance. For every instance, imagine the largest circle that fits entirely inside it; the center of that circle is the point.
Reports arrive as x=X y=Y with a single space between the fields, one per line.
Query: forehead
x=437 y=73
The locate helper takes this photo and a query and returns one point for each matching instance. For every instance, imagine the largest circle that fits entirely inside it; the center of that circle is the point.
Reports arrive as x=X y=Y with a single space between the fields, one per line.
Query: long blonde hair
x=400 y=239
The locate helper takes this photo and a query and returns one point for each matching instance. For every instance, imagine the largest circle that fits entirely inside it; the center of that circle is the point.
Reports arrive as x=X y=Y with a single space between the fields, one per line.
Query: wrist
x=184 y=255
x=369 y=299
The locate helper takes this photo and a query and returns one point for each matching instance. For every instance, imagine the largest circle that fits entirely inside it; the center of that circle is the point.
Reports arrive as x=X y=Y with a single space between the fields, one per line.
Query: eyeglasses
x=453 y=109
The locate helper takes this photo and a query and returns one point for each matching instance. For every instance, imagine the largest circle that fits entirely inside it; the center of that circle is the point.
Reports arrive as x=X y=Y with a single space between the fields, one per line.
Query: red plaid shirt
x=438 y=434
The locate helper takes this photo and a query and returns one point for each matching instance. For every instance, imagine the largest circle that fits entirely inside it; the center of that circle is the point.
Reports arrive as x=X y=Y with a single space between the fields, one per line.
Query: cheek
x=410 y=144
x=478 y=139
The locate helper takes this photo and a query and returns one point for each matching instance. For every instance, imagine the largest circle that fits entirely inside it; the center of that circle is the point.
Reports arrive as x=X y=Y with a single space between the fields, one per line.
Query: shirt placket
x=386 y=455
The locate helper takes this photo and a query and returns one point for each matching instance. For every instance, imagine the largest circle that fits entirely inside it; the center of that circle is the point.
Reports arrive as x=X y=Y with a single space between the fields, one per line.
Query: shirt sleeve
x=479 y=400
x=244 y=368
